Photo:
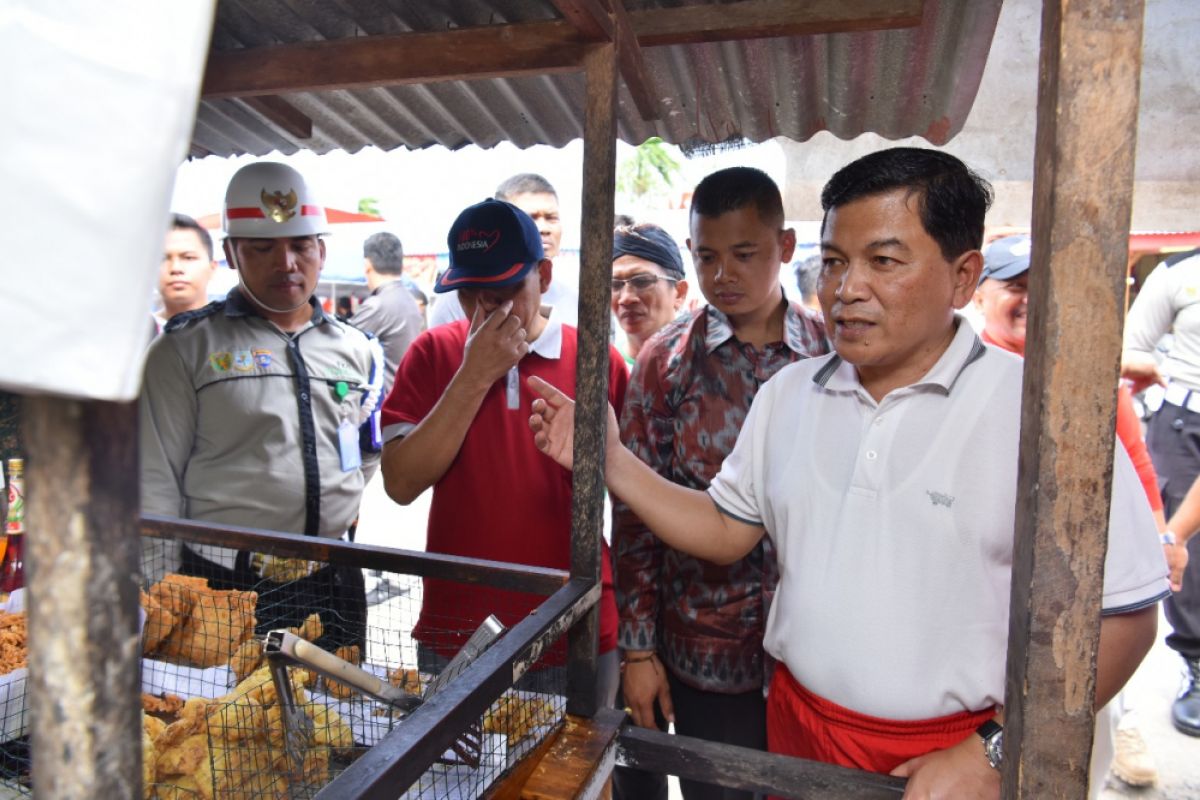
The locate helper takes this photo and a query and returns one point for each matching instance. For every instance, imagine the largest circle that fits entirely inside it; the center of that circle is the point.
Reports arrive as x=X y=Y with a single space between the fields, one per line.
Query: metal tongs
x=283 y=649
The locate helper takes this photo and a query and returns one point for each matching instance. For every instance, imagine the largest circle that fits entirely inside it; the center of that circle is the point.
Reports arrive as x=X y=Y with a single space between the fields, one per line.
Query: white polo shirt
x=893 y=523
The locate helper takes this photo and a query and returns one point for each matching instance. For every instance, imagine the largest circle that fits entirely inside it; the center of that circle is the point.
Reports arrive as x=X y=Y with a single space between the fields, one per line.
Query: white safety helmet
x=268 y=200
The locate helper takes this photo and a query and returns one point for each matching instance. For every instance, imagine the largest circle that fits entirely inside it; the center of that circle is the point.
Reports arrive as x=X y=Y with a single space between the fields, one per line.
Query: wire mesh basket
x=213 y=726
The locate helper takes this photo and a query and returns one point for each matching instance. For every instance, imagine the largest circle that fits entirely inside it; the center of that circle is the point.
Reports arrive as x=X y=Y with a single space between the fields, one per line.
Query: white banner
x=98 y=105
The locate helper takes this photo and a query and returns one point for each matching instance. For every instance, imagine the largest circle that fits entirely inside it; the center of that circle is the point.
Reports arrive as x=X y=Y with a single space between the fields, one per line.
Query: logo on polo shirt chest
x=939 y=499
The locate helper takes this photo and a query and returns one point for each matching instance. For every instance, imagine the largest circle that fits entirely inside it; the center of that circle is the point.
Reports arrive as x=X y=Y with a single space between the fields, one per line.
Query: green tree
x=369 y=205
x=649 y=172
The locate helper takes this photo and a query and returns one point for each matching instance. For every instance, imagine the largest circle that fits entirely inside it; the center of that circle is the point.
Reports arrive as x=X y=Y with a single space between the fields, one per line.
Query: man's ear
x=681 y=290
x=545 y=267
x=321 y=248
x=967 y=268
x=230 y=255
x=787 y=245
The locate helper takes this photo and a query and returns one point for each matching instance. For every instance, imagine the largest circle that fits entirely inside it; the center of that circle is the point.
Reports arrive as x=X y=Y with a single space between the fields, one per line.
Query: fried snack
x=233 y=747
x=311 y=629
x=330 y=729
x=211 y=624
x=151 y=727
x=338 y=689
x=516 y=716
x=183 y=758
x=160 y=621
x=14 y=646
x=164 y=705
x=246 y=658
x=241 y=719
x=408 y=680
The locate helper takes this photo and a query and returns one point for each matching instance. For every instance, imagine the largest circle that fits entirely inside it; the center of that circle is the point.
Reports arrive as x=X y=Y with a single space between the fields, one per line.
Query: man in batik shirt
x=692 y=631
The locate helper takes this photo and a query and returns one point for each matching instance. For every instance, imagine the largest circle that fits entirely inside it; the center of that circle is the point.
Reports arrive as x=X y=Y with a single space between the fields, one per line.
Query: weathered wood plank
x=82 y=559
x=589 y=17
x=576 y=765
x=749 y=770
x=539 y=580
x=591 y=364
x=633 y=66
x=1083 y=177
x=758 y=19
x=528 y=48
x=535 y=48
x=510 y=785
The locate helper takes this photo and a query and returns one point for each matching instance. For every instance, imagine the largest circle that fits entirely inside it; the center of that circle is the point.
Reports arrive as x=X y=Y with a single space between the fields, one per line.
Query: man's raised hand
x=495 y=344
x=553 y=423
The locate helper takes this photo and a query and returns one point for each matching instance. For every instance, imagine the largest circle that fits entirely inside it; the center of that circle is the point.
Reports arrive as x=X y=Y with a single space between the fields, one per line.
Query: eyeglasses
x=639 y=283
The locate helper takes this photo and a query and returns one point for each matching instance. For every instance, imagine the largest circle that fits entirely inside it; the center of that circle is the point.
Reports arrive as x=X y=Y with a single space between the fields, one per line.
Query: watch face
x=994 y=747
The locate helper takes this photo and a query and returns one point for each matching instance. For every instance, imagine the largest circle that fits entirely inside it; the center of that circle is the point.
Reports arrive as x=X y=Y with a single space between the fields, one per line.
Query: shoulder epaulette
x=1178 y=257
x=180 y=321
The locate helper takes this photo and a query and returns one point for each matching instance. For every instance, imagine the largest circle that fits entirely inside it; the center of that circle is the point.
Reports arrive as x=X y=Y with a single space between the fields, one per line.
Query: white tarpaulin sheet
x=98 y=104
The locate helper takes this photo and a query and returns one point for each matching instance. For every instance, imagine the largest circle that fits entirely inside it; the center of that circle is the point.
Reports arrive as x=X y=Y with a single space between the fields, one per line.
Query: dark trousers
x=337 y=593
x=737 y=719
x=1173 y=437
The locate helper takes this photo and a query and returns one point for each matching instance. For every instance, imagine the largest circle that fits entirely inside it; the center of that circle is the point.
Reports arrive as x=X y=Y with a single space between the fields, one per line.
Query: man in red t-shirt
x=457 y=420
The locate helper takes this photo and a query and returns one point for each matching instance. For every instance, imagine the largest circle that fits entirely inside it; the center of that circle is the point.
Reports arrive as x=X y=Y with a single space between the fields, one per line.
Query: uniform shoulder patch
x=181 y=321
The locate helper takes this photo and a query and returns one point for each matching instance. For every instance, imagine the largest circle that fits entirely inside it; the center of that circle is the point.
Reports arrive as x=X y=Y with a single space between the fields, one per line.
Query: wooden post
x=83 y=554
x=591 y=366
x=1083 y=179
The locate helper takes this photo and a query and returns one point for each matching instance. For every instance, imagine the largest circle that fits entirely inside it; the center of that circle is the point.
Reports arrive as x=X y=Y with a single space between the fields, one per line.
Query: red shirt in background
x=501 y=498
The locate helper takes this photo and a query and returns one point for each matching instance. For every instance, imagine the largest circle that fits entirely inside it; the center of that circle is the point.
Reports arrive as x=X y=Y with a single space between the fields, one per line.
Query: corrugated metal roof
x=917 y=81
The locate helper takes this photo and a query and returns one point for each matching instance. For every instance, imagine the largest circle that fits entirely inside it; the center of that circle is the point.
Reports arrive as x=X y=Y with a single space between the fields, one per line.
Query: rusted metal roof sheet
x=917 y=81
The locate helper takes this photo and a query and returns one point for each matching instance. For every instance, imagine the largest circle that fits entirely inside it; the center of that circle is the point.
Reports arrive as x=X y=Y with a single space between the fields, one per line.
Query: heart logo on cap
x=475 y=239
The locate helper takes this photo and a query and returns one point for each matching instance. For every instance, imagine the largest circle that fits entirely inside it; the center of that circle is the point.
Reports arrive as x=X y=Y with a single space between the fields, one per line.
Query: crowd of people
x=813 y=495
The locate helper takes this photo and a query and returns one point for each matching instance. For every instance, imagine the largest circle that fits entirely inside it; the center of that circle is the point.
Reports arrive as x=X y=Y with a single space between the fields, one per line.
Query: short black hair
x=524 y=183
x=182 y=222
x=736 y=188
x=952 y=200
x=385 y=252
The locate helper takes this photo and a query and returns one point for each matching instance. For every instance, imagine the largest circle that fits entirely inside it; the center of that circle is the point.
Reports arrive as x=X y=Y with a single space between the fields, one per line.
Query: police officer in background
x=1170 y=301
x=257 y=410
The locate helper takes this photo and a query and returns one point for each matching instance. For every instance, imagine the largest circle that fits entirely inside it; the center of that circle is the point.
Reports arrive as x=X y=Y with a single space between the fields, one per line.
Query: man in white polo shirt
x=886 y=476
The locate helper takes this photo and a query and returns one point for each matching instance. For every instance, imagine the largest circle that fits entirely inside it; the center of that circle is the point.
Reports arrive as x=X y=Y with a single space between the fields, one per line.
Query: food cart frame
x=83 y=503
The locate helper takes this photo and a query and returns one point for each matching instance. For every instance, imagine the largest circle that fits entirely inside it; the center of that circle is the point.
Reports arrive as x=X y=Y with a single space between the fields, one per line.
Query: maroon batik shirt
x=688 y=395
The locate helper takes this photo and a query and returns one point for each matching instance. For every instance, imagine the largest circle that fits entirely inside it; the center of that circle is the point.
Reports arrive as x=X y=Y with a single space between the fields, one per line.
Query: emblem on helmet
x=280 y=207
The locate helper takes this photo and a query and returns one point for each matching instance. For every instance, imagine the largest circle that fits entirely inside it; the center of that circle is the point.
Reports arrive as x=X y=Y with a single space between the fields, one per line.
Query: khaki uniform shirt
x=239 y=422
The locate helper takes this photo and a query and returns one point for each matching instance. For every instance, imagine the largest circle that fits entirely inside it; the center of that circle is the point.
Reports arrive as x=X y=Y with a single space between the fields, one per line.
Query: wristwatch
x=992 y=734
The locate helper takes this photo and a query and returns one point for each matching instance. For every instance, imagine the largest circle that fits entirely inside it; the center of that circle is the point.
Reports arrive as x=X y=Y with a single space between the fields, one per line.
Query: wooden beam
x=580 y=760
x=528 y=48
x=518 y=577
x=758 y=19
x=595 y=24
x=283 y=114
x=748 y=770
x=588 y=17
x=592 y=362
x=82 y=562
x=633 y=66
x=535 y=48
x=1082 y=185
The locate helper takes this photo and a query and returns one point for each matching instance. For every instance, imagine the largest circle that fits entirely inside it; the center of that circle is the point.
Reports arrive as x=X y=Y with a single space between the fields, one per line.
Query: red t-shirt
x=501 y=498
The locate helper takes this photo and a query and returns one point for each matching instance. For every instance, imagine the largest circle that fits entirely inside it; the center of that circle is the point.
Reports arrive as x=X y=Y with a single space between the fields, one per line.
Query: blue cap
x=1006 y=258
x=492 y=244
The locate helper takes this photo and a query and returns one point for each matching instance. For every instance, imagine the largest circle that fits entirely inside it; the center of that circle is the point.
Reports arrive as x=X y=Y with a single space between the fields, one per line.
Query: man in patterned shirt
x=692 y=630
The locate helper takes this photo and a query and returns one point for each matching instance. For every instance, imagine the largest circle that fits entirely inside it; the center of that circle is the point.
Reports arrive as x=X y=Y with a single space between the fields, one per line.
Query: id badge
x=348 y=446
x=512 y=388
